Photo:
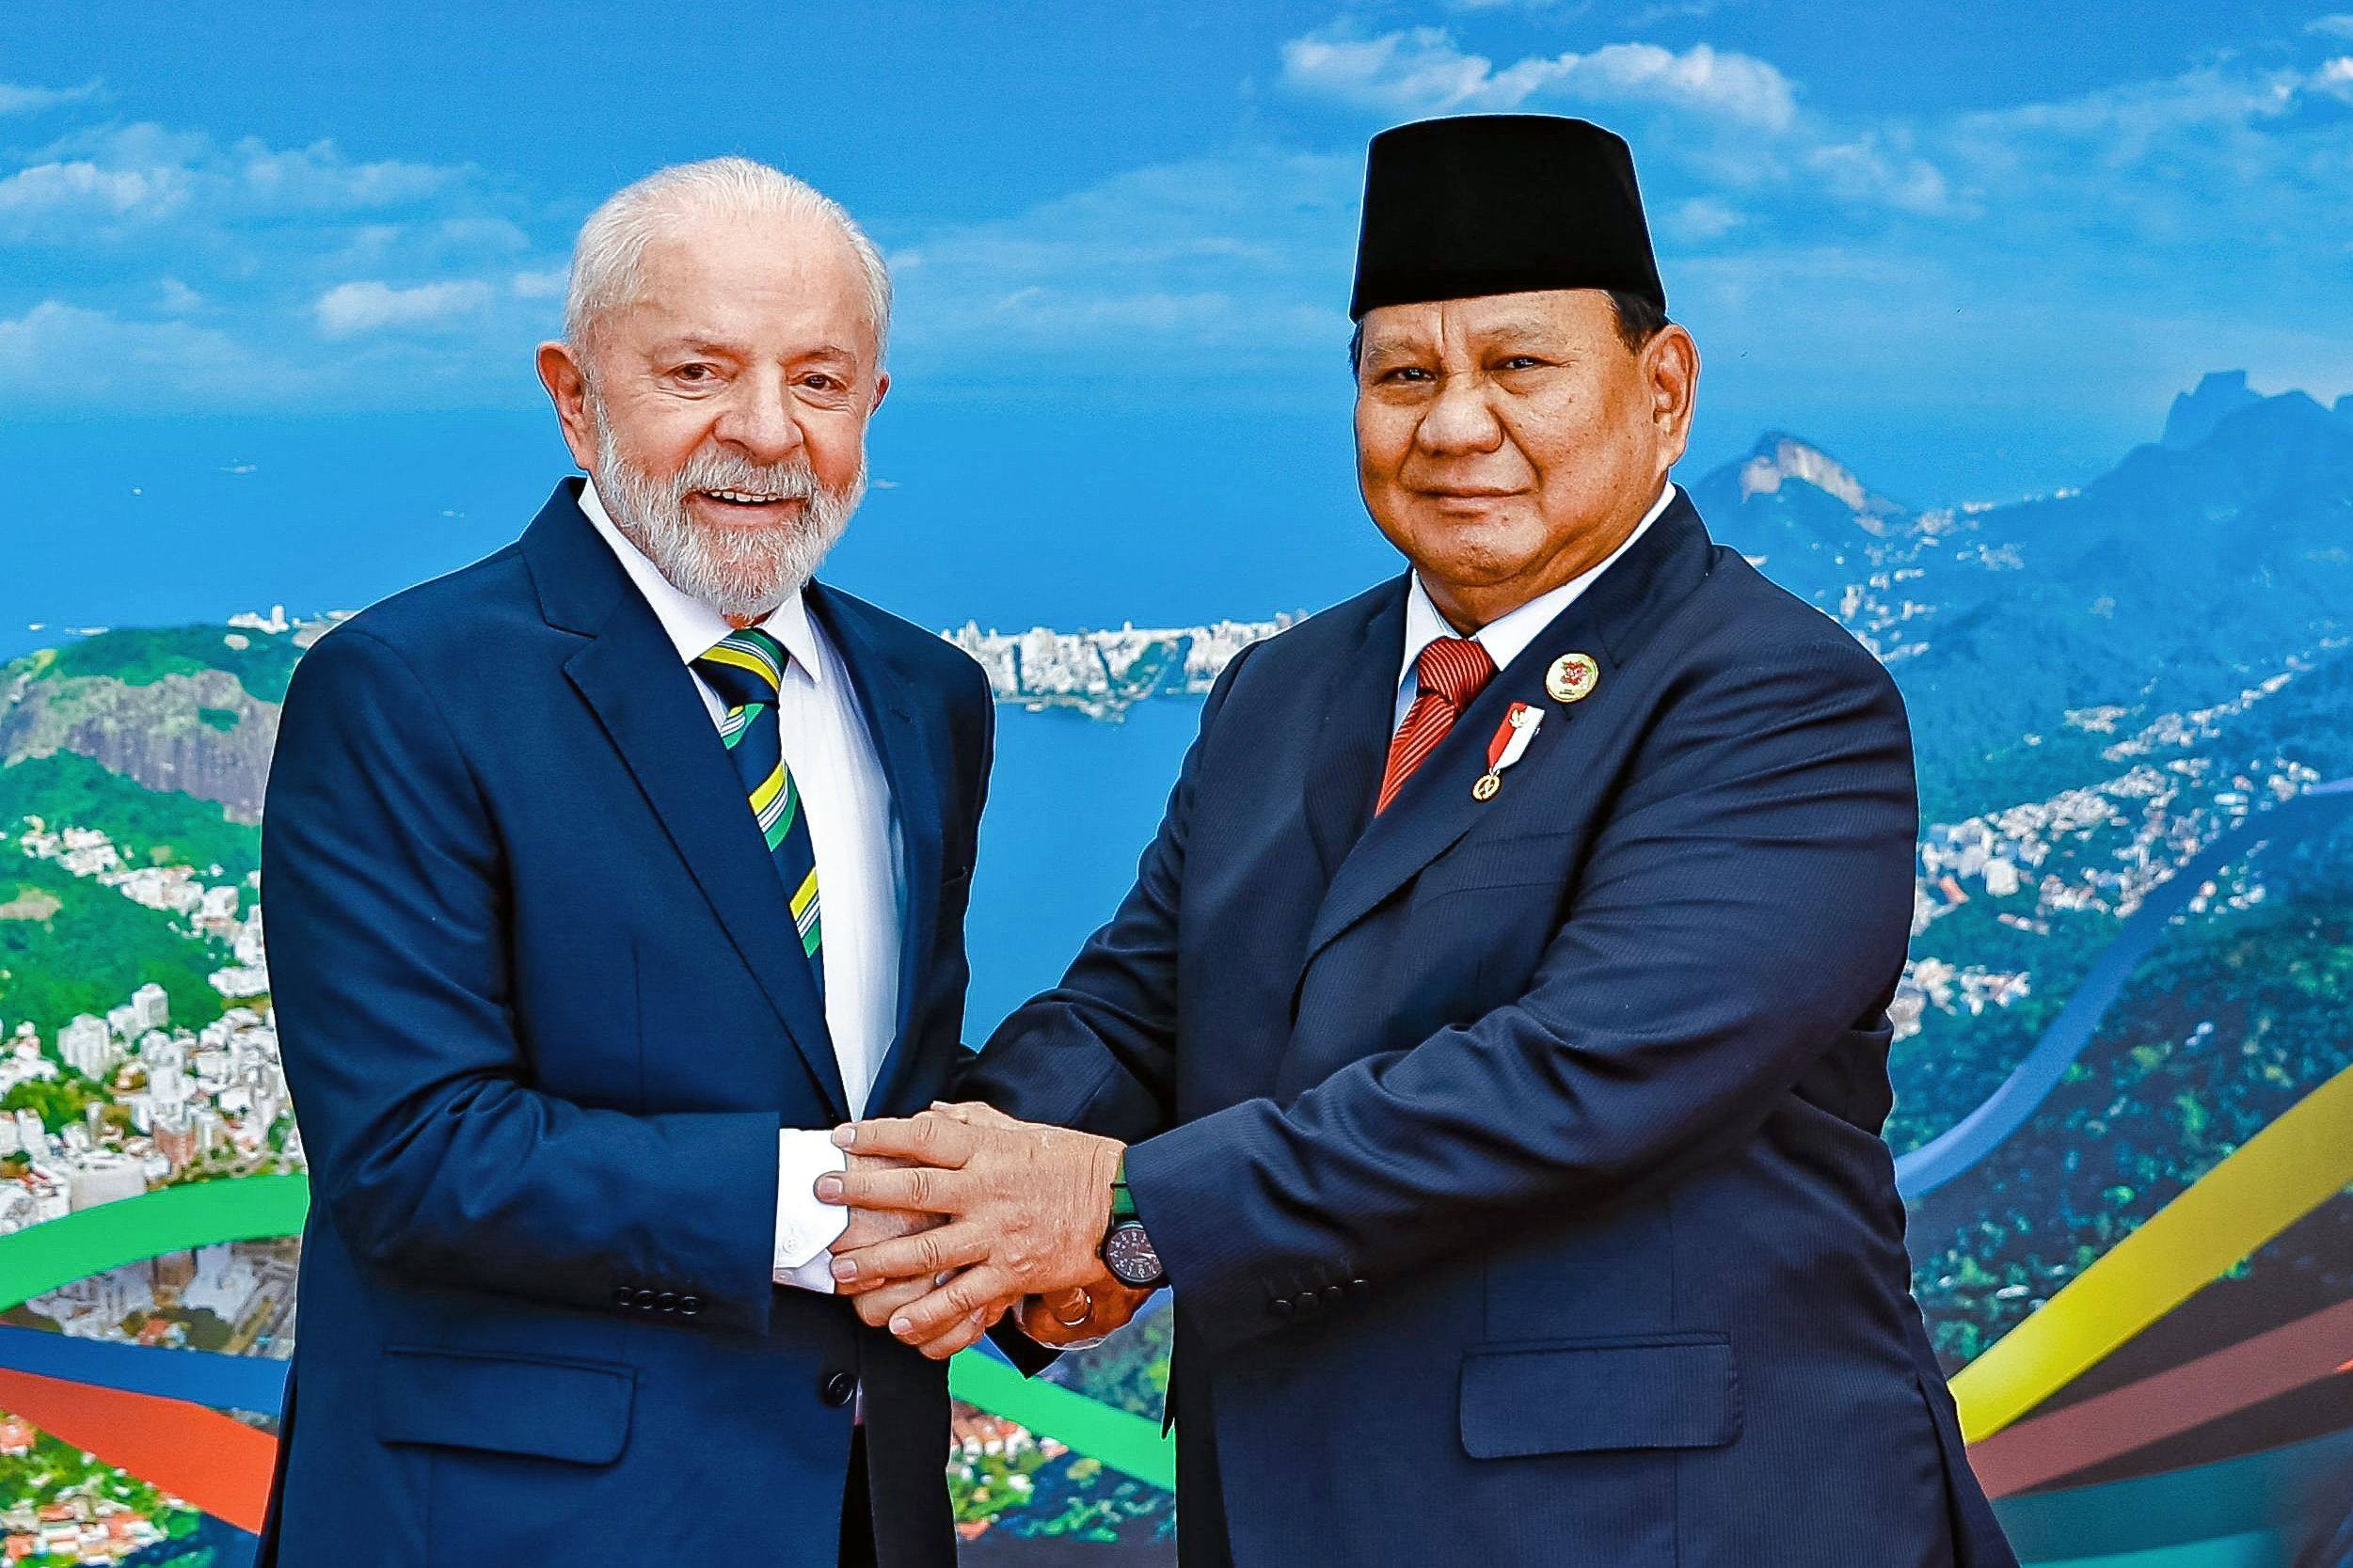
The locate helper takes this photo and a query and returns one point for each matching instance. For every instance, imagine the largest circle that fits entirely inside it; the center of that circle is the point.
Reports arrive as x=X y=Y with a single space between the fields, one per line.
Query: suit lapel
x=629 y=675
x=1436 y=807
x=912 y=769
x=1359 y=704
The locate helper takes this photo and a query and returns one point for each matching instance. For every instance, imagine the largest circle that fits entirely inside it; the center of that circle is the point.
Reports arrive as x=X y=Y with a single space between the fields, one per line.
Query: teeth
x=744 y=496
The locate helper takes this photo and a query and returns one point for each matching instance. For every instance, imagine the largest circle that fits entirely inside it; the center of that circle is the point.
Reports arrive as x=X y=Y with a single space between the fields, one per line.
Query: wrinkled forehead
x=1566 y=317
x=763 y=286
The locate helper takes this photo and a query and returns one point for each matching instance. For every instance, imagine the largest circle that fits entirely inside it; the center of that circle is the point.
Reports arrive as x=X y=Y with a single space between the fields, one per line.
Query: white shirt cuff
x=805 y=1228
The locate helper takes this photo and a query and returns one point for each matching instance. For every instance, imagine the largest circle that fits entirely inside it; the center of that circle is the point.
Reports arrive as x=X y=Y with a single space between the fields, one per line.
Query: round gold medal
x=1572 y=678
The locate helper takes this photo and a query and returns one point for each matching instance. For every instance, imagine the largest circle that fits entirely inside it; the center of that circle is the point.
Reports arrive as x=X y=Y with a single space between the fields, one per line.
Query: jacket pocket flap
x=576 y=1410
x=1663 y=1391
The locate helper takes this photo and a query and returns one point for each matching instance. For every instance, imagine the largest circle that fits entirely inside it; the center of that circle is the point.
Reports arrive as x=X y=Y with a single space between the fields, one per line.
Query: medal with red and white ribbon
x=1510 y=743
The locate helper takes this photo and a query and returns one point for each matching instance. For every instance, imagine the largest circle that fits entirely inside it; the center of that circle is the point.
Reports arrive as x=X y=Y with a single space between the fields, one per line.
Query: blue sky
x=269 y=282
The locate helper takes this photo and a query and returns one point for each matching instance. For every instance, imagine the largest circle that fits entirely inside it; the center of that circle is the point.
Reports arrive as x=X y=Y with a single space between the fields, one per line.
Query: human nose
x=761 y=420
x=1459 y=421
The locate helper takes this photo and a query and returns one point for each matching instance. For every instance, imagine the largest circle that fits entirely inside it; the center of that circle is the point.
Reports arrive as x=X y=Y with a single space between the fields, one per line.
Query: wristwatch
x=1127 y=1249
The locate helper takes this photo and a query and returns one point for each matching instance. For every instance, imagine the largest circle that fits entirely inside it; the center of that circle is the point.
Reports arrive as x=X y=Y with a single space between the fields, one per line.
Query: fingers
x=919 y=1188
x=965 y=1332
x=879 y=1302
x=917 y=1257
x=928 y=1139
x=982 y=1288
x=1046 y=1319
x=973 y=1112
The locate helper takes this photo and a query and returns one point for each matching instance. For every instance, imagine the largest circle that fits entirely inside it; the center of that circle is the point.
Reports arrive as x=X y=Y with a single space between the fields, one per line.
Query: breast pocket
x=1535 y=860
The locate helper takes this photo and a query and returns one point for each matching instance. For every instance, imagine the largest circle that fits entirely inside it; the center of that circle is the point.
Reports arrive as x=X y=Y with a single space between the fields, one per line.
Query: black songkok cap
x=1494 y=204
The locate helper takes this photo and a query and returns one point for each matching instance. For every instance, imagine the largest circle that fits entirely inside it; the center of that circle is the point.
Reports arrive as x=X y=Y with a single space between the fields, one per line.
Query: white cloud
x=370 y=306
x=108 y=181
x=548 y=283
x=53 y=191
x=1211 y=262
x=16 y=99
x=62 y=354
x=2335 y=78
x=1422 y=71
x=2339 y=25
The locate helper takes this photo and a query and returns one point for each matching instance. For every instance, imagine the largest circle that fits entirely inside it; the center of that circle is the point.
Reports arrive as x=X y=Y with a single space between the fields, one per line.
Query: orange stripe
x=2165 y=1404
x=198 y=1455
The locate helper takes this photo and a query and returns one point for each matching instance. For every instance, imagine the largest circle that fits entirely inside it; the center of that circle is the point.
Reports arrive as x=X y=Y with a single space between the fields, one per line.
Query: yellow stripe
x=741 y=660
x=2269 y=1183
x=768 y=791
x=807 y=895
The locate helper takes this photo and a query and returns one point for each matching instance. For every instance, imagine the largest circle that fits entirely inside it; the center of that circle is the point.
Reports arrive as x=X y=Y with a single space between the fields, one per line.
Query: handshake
x=963 y=1214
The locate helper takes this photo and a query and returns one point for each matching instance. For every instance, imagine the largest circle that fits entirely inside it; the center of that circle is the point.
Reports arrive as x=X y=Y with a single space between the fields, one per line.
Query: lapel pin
x=1511 y=739
x=1572 y=678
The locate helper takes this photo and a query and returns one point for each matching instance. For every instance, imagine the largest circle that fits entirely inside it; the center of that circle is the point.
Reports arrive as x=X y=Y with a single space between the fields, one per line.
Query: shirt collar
x=1509 y=635
x=693 y=627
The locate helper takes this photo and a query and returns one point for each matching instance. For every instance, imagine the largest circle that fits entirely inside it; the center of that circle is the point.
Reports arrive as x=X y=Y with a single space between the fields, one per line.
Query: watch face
x=1128 y=1253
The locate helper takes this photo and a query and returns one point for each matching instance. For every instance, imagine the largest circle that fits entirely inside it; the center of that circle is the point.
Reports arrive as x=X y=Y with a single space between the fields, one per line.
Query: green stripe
x=1128 y=1444
x=813 y=938
x=43 y=1257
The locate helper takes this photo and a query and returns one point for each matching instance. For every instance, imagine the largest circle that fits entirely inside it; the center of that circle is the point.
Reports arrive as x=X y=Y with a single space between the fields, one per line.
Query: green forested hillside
x=149 y=827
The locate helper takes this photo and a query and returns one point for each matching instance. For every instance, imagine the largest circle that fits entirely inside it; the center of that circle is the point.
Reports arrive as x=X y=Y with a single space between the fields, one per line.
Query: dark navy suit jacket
x=543 y=1014
x=1517 y=1164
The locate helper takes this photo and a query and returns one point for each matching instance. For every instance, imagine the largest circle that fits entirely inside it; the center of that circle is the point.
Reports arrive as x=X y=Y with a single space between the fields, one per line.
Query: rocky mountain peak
x=2194 y=415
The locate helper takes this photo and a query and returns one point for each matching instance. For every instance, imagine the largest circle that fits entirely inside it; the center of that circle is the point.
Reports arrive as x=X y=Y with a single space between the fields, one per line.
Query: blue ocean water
x=1073 y=803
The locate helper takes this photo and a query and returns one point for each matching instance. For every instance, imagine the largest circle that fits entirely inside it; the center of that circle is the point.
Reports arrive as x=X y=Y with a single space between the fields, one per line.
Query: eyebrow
x=1510 y=328
x=690 y=343
x=1516 y=326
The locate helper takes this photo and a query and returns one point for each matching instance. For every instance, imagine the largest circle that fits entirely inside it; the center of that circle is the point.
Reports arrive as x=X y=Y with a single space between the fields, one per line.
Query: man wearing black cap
x=1493 y=1050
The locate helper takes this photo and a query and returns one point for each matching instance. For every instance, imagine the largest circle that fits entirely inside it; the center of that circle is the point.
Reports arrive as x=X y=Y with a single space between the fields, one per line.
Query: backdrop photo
x=2028 y=357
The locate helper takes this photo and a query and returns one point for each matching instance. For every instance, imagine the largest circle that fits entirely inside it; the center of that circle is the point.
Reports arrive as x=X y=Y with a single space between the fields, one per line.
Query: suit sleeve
x=1098 y=1052
x=1746 y=903
x=430 y=1147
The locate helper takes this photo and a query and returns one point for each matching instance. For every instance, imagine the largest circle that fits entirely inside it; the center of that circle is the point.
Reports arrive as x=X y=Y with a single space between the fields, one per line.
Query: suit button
x=689 y=1306
x=643 y=1298
x=837 y=1389
x=1358 y=1285
x=667 y=1300
x=1335 y=1294
x=1280 y=1306
x=625 y=1298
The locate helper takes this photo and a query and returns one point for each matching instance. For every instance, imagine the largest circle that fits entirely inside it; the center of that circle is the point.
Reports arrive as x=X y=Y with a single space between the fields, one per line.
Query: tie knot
x=746 y=667
x=1457 y=668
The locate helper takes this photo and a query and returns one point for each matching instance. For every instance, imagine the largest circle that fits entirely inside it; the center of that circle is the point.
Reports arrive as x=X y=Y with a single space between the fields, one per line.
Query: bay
x=1072 y=805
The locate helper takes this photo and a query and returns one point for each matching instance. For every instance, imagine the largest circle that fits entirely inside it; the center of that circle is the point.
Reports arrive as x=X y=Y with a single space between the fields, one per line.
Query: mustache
x=716 y=469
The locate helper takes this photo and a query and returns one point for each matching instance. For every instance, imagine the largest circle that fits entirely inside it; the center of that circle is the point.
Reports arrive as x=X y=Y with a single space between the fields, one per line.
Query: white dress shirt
x=858 y=872
x=1508 y=636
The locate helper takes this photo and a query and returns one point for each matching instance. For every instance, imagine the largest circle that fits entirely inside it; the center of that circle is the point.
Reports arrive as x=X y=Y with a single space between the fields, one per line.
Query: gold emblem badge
x=1487 y=786
x=1572 y=678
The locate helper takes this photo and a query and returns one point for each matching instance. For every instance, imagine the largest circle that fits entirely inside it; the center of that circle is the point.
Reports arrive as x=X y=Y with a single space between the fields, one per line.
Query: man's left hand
x=1026 y=1206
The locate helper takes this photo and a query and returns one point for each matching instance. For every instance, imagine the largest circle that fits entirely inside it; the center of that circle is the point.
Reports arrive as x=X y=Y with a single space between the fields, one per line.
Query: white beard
x=742 y=574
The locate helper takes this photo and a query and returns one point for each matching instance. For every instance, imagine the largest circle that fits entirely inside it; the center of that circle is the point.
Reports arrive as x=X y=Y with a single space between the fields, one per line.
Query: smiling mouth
x=749 y=500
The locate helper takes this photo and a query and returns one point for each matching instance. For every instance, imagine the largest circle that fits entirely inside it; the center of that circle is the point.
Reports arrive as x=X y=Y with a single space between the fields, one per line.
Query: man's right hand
x=1080 y=1316
x=869 y=1226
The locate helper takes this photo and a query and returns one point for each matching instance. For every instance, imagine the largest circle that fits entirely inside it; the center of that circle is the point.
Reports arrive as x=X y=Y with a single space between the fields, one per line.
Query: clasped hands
x=963 y=1214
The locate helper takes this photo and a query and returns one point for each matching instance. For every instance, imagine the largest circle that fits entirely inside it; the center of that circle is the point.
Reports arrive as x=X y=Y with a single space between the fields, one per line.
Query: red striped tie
x=1450 y=672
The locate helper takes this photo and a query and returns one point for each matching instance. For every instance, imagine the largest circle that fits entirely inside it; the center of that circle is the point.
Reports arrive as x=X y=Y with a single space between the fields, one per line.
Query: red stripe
x=201 y=1457
x=1451 y=671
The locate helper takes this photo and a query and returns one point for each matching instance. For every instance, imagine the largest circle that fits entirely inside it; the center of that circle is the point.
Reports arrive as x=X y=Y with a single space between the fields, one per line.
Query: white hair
x=608 y=259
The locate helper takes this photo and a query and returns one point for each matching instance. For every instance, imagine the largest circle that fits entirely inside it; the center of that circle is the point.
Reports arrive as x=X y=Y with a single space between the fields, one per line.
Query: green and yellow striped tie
x=746 y=668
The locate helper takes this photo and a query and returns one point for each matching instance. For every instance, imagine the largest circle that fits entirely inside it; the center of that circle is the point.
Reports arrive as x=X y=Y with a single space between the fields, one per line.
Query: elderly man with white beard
x=605 y=876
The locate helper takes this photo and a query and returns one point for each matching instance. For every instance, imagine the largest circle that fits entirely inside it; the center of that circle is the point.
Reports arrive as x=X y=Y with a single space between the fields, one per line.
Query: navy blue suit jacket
x=543 y=1014
x=1517 y=1164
